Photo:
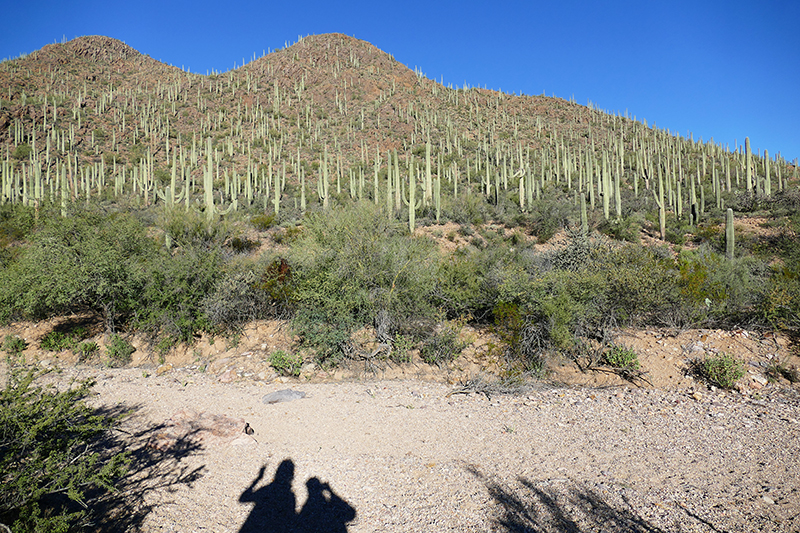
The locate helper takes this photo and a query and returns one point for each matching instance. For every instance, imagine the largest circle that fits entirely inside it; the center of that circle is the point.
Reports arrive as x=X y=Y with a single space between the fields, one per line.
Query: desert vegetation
x=311 y=184
x=174 y=203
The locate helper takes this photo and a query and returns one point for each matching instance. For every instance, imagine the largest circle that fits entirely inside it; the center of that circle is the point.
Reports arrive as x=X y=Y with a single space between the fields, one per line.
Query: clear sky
x=715 y=68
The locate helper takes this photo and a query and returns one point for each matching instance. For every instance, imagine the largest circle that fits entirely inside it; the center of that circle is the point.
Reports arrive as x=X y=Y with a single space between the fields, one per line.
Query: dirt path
x=364 y=453
x=411 y=456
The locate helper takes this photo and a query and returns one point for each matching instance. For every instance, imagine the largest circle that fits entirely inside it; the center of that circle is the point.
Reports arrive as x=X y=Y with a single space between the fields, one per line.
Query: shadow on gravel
x=150 y=469
x=567 y=508
x=275 y=506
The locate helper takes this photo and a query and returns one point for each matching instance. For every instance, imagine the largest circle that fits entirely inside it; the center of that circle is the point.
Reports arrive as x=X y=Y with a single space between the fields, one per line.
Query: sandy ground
x=412 y=448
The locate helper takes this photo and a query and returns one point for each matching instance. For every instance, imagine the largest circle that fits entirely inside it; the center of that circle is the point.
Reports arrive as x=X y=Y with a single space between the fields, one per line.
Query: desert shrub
x=575 y=254
x=779 y=306
x=88 y=261
x=16 y=223
x=192 y=229
x=244 y=291
x=466 y=209
x=118 y=351
x=401 y=348
x=621 y=357
x=641 y=286
x=286 y=363
x=22 y=152
x=58 y=341
x=263 y=221
x=352 y=263
x=87 y=350
x=13 y=345
x=444 y=345
x=722 y=370
x=524 y=341
x=462 y=287
x=721 y=290
x=52 y=454
x=622 y=229
x=173 y=299
x=551 y=213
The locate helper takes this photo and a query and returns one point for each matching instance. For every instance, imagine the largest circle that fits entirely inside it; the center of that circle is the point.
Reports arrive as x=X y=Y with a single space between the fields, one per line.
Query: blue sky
x=721 y=69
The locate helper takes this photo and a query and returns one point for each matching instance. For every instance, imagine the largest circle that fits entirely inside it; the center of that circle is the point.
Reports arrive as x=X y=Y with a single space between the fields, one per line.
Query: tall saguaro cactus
x=729 y=234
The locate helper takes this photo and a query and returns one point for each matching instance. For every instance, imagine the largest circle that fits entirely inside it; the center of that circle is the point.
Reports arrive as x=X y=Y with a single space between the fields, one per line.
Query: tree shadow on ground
x=151 y=469
x=275 y=506
x=569 y=508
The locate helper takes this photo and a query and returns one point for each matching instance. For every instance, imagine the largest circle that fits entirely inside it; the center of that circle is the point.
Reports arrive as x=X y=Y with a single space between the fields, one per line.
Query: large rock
x=187 y=427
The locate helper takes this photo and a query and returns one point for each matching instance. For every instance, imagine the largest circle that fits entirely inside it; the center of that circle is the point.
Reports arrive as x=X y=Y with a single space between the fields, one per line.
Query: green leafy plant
x=13 y=345
x=444 y=345
x=622 y=357
x=286 y=363
x=52 y=454
x=722 y=370
x=58 y=341
x=119 y=351
x=87 y=350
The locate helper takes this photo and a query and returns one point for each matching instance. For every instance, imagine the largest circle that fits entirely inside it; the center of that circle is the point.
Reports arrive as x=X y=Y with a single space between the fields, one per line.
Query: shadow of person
x=324 y=511
x=274 y=510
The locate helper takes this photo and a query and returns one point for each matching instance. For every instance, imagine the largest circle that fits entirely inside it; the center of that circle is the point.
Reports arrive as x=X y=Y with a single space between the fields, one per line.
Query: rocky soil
x=416 y=448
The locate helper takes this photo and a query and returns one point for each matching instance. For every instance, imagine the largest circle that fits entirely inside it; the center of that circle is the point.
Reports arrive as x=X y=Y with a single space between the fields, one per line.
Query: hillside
x=604 y=313
x=281 y=156
x=329 y=103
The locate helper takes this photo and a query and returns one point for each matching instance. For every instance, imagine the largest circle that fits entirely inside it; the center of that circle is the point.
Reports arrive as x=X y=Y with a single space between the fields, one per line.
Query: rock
x=768 y=500
x=697 y=396
x=227 y=376
x=285 y=395
x=188 y=428
x=218 y=365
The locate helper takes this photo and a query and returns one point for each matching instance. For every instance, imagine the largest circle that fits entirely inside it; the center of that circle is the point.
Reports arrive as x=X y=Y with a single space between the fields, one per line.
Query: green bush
x=14 y=345
x=119 y=352
x=443 y=346
x=722 y=290
x=87 y=350
x=351 y=264
x=52 y=453
x=285 y=363
x=622 y=358
x=263 y=221
x=248 y=290
x=722 y=370
x=191 y=229
x=88 y=261
x=173 y=300
x=58 y=341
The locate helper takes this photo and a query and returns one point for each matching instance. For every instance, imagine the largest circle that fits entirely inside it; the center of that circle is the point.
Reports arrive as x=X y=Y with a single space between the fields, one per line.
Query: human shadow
x=571 y=508
x=275 y=506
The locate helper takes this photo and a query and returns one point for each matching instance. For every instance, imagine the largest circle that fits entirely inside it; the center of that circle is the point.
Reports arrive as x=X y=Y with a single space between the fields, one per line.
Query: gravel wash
x=415 y=456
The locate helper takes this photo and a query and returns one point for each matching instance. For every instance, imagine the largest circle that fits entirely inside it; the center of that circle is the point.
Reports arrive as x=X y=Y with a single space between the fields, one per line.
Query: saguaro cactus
x=729 y=234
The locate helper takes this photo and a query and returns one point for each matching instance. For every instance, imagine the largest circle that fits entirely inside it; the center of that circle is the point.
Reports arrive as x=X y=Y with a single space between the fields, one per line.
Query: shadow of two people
x=274 y=511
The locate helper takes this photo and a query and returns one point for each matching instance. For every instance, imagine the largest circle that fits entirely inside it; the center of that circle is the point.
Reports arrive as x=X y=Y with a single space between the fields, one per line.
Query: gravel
x=414 y=456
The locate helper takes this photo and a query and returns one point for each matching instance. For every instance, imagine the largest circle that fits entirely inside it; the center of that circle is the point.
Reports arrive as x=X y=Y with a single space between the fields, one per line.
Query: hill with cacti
x=330 y=139
x=93 y=114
